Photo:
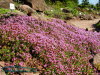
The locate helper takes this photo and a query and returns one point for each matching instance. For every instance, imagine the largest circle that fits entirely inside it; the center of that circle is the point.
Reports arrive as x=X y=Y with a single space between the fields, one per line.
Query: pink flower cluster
x=64 y=49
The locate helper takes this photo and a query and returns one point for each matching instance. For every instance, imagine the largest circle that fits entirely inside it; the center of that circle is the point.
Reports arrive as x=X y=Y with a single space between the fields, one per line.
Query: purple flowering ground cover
x=62 y=49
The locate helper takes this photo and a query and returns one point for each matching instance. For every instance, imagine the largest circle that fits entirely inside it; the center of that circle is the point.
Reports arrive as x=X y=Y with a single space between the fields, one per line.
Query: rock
x=86 y=17
x=90 y=17
x=66 y=10
x=2 y=63
x=5 y=3
x=1 y=70
x=27 y=9
x=36 y=4
x=96 y=61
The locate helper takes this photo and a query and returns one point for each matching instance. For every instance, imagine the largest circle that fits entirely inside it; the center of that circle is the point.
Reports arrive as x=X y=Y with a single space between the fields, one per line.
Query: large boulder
x=5 y=3
x=27 y=9
x=39 y=5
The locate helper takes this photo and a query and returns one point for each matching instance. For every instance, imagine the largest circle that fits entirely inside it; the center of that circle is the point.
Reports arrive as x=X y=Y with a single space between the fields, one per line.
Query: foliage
x=57 y=5
x=70 y=4
x=4 y=11
x=92 y=9
x=85 y=2
x=63 y=1
x=55 y=14
x=98 y=25
x=62 y=49
x=98 y=6
x=59 y=14
x=74 y=11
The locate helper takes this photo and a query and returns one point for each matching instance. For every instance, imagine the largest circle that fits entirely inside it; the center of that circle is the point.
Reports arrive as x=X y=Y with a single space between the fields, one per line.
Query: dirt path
x=84 y=23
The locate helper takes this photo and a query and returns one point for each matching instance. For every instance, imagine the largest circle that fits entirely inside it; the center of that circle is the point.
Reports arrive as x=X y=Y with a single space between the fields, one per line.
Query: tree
x=85 y=2
x=98 y=5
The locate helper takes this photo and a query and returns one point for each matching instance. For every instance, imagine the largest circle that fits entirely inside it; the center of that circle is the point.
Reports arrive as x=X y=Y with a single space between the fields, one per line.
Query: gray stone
x=65 y=10
x=86 y=17
x=5 y=3
x=37 y=4
x=27 y=9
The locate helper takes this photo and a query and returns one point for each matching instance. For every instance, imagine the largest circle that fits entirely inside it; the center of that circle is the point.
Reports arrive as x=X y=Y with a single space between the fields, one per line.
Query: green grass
x=5 y=11
x=58 y=13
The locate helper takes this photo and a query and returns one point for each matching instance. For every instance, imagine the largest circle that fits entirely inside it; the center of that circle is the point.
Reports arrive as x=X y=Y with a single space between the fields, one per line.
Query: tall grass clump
x=60 y=48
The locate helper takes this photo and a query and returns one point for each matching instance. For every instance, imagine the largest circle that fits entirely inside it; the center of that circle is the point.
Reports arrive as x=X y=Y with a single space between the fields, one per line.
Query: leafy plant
x=97 y=26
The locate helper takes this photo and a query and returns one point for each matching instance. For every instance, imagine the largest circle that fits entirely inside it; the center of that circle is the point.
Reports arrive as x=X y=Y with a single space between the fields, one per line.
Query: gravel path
x=84 y=23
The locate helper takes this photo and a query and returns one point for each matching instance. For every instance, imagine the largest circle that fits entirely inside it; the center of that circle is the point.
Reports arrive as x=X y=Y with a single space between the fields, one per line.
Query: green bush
x=54 y=13
x=58 y=5
x=59 y=14
x=67 y=16
x=75 y=12
x=98 y=25
x=71 y=4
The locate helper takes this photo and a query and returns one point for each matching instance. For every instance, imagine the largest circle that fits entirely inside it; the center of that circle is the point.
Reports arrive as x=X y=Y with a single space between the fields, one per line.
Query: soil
x=83 y=23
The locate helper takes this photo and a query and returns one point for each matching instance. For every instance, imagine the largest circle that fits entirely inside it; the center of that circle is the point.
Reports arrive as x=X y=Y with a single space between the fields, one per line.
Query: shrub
x=75 y=12
x=55 y=13
x=97 y=26
x=67 y=16
x=71 y=4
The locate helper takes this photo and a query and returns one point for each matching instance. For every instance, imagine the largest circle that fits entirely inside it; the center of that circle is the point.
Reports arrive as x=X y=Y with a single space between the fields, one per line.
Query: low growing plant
x=61 y=49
